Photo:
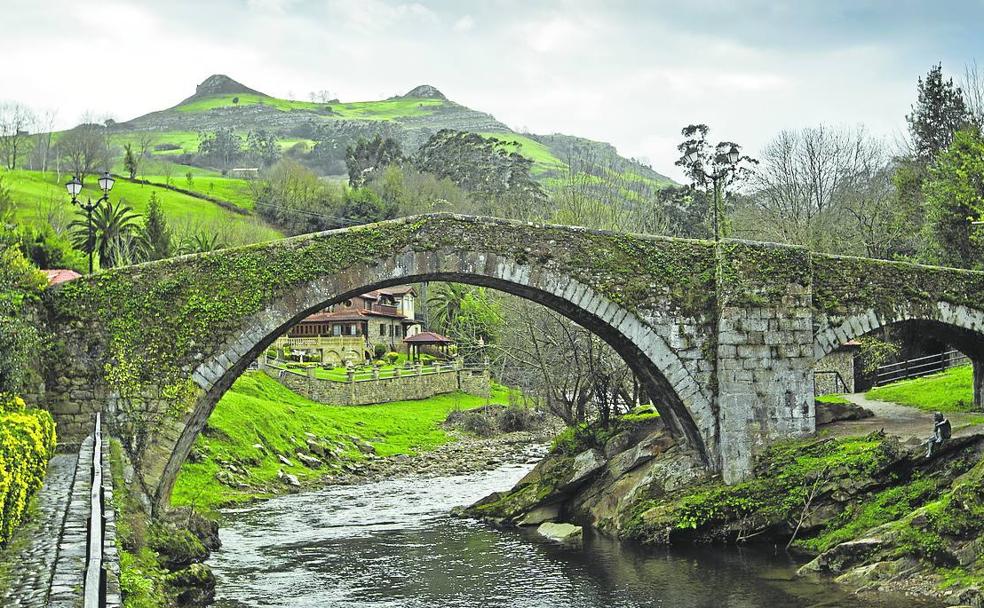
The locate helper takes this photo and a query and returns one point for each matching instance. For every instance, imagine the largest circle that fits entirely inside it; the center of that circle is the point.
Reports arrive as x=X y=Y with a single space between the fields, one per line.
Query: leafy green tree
x=20 y=286
x=155 y=240
x=293 y=198
x=955 y=199
x=47 y=249
x=939 y=112
x=496 y=175
x=364 y=206
x=367 y=157
x=221 y=147
x=130 y=162
x=114 y=227
x=262 y=147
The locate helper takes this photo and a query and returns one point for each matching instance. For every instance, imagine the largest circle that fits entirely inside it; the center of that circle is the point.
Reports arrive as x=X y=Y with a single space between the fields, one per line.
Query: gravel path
x=901 y=421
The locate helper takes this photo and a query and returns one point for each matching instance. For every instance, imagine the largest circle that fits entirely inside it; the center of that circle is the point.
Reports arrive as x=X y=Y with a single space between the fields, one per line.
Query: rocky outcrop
x=828 y=413
x=220 y=84
x=595 y=484
x=425 y=91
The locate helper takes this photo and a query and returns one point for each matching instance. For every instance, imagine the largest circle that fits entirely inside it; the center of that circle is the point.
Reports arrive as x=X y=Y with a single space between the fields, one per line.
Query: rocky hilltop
x=220 y=84
x=222 y=102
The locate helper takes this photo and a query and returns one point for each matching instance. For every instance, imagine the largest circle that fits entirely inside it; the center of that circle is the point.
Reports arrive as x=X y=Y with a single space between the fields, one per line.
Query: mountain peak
x=220 y=84
x=425 y=91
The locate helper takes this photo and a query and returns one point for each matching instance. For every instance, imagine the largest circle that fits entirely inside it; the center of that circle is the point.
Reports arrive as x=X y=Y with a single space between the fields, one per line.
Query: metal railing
x=93 y=595
x=920 y=366
x=840 y=386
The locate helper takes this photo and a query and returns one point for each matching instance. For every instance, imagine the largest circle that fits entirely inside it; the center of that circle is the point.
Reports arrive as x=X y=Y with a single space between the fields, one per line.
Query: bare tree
x=972 y=86
x=806 y=181
x=84 y=150
x=43 y=139
x=570 y=370
x=16 y=123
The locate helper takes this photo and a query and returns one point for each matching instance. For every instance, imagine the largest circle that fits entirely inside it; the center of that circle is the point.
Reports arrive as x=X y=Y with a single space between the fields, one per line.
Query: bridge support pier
x=765 y=353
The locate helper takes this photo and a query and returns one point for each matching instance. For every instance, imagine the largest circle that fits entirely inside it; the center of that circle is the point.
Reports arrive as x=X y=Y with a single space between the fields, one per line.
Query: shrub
x=379 y=351
x=392 y=357
x=27 y=441
x=427 y=359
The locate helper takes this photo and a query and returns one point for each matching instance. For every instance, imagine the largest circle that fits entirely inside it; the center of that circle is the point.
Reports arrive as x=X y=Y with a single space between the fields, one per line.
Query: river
x=392 y=544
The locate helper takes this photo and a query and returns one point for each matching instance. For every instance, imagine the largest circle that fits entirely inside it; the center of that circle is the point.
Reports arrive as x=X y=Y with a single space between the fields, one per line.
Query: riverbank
x=871 y=512
x=263 y=440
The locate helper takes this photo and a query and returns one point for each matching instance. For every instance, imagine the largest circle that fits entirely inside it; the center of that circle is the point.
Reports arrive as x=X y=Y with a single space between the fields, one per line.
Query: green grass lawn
x=36 y=195
x=260 y=410
x=949 y=391
x=832 y=399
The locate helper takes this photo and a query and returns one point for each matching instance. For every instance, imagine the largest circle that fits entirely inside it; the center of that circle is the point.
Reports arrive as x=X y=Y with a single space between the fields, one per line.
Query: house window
x=382 y=329
x=391 y=331
x=336 y=330
x=399 y=331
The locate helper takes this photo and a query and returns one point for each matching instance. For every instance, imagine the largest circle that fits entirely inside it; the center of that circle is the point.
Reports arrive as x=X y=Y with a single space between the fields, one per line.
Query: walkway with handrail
x=61 y=557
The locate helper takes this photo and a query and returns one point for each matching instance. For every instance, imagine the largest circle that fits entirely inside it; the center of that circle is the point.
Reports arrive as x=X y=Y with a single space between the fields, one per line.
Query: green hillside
x=41 y=197
x=222 y=103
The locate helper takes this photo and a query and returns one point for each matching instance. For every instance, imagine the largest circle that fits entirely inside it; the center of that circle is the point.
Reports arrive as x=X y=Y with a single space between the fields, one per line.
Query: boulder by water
x=568 y=534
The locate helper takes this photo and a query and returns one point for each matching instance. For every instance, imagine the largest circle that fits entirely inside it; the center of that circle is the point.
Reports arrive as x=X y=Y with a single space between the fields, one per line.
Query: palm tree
x=112 y=229
x=445 y=304
x=202 y=241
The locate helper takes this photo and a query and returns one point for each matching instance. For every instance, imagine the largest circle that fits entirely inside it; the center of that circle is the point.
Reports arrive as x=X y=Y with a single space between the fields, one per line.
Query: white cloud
x=464 y=24
x=629 y=73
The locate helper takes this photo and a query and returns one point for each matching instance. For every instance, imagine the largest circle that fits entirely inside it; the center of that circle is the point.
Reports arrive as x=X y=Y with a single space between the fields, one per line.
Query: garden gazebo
x=427 y=338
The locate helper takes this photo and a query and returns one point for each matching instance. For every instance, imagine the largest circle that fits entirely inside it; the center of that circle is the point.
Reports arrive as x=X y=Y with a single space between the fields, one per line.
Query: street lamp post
x=692 y=158
x=74 y=187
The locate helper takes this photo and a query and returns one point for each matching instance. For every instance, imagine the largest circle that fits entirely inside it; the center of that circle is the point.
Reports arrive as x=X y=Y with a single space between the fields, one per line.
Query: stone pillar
x=764 y=351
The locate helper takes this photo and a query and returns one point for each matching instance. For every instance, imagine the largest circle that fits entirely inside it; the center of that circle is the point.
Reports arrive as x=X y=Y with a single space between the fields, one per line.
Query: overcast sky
x=630 y=73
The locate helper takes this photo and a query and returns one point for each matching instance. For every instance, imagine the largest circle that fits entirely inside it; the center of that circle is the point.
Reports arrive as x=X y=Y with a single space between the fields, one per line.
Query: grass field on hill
x=948 y=391
x=543 y=159
x=37 y=195
x=387 y=109
x=260 y=410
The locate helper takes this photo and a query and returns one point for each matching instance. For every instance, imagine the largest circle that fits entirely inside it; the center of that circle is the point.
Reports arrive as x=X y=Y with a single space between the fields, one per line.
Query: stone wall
x=764 y=351
x=840 y=361
x=367 y=392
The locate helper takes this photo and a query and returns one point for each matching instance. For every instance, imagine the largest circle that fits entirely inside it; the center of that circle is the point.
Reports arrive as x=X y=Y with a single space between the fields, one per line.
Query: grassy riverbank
x=948 y=391
x=259 y=421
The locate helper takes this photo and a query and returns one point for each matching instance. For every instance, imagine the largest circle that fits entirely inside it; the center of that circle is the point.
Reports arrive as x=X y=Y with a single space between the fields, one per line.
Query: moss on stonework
x=844 y=285
x=759 y=274
x=157 y=316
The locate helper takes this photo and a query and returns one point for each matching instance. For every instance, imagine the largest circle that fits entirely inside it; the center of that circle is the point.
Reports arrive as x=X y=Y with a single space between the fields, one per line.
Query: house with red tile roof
x=350 y=330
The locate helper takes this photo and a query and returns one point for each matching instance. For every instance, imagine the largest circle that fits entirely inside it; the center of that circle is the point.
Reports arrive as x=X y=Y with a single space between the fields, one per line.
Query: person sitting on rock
x=941 y=433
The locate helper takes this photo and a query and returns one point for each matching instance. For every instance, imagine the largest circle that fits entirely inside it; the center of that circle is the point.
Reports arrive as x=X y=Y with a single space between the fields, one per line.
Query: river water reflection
x=391 y=544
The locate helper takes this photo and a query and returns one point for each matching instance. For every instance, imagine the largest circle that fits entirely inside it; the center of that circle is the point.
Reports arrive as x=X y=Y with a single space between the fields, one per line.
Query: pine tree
x=156 y=243
x=938 y=113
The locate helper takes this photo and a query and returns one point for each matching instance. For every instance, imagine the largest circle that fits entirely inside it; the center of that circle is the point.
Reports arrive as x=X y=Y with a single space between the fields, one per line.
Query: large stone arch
x=958 y=325
x=643 y=343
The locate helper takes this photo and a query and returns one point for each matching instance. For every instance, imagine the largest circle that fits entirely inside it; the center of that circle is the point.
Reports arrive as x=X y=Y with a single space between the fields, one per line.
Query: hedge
x=27 y=441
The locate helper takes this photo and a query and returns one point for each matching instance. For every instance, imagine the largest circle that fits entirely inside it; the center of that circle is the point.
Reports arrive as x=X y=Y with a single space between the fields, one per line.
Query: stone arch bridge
x=723 y=336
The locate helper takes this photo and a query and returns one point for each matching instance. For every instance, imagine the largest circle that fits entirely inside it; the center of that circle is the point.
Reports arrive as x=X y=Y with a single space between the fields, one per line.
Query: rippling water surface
x=392 y=544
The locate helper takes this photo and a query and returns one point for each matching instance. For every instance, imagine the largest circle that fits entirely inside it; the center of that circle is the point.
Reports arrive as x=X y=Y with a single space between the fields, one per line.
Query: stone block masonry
x=722 y=336
x=367 y=392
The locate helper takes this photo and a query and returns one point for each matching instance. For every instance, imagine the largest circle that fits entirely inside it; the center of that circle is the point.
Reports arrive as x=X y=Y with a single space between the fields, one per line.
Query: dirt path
x=902 y=421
